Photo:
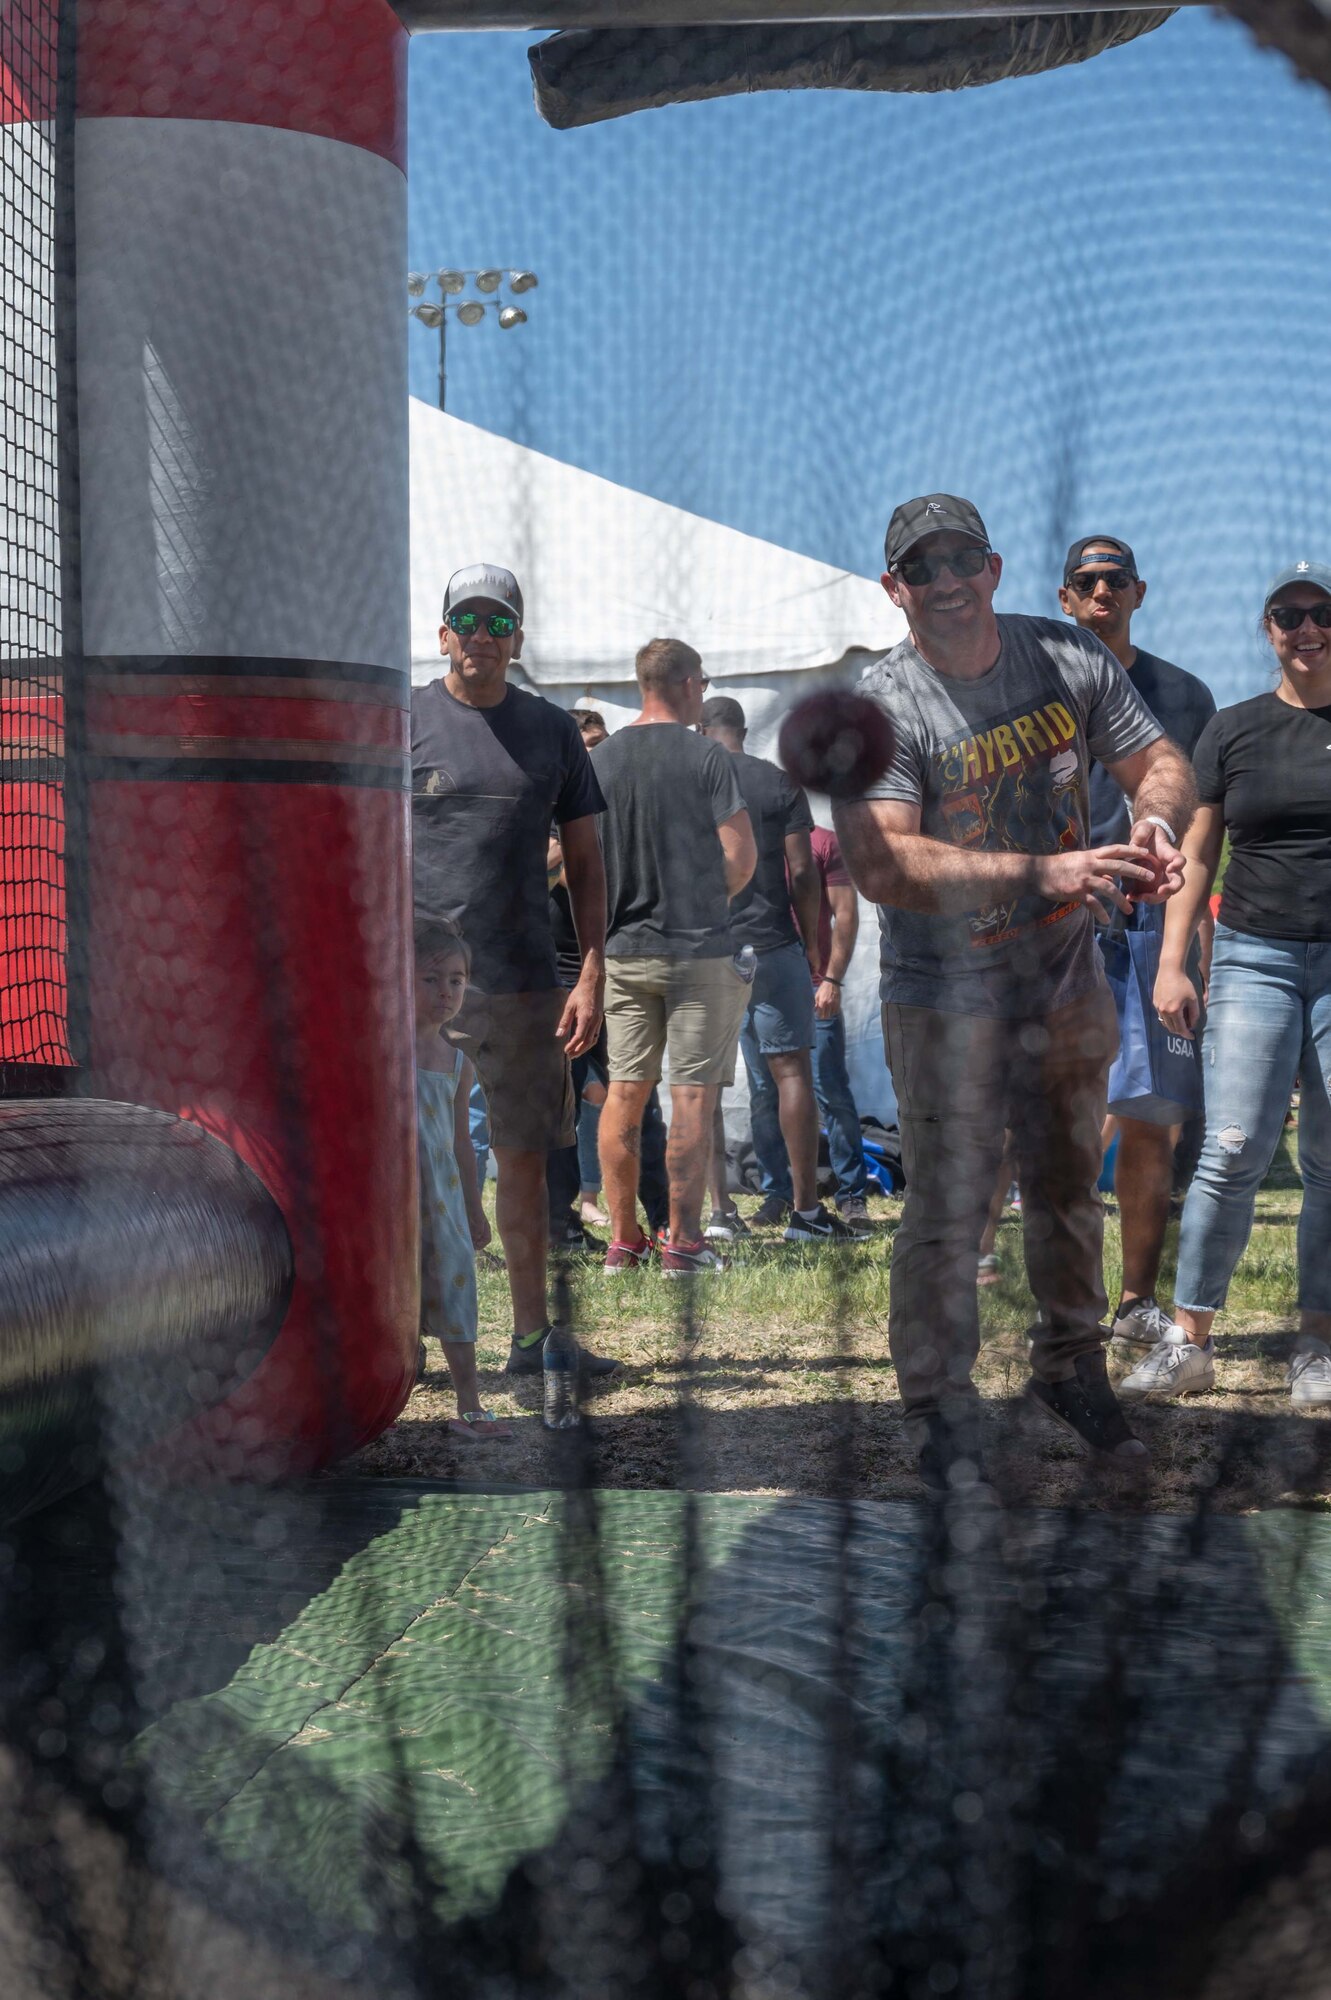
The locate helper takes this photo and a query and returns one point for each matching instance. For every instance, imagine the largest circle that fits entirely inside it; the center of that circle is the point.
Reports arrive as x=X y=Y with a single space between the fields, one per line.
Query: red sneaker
x=683 y=1260
x=629 y=1256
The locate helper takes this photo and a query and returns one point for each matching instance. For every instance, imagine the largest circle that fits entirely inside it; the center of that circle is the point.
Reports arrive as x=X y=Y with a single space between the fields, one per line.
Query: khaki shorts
x=510 y=1038
x=691 y=1008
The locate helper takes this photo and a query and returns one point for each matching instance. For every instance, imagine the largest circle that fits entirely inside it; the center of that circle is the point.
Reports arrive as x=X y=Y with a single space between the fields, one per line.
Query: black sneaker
x=725 y=1225
x=576 y=1239
x=771 y=1215
x=1086 y=1404
x=950 y=1459
x=820 y=1227
x=525 y=1357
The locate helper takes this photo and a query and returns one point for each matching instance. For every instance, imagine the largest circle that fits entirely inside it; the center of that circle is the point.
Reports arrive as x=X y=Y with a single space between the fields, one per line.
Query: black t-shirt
x=666 y=793
x=1182 y=705
x=486 y=783
x=761 y=914
x=1268 y=766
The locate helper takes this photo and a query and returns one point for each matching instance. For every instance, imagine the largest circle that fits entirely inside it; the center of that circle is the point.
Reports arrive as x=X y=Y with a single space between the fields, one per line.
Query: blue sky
x=1093 y=300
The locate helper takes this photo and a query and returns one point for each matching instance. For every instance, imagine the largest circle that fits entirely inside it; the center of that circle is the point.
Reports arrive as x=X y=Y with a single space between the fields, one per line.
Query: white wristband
x=1154 y=819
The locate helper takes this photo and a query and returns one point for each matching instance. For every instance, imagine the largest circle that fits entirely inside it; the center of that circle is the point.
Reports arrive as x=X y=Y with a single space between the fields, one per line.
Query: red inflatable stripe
x=333 y=68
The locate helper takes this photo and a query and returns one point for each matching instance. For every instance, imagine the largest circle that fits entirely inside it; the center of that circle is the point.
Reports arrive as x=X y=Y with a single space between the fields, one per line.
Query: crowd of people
x=598 y=912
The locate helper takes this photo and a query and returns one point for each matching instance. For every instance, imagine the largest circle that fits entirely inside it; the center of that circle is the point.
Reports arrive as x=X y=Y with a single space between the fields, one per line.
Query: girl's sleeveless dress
x=448 y=1261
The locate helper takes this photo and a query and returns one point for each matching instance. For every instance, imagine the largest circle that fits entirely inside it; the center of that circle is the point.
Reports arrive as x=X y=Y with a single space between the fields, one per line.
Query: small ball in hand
x=836 y=742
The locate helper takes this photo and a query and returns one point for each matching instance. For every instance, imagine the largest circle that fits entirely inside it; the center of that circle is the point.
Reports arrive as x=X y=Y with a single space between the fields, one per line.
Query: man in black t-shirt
x=491 y=767
x=778 y=1033
x=1102 y=590
x=678 y=846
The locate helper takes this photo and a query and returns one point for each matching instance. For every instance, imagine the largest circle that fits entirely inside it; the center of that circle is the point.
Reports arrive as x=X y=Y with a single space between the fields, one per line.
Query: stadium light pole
x=470 y=311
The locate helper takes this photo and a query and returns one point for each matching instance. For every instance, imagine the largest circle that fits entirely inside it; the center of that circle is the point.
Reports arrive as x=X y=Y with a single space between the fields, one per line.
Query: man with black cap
x=491 y=768
x=995 y=1014
x=1102 y=590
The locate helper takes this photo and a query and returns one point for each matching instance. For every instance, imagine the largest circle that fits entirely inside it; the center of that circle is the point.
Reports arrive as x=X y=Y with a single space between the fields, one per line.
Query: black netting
x=33 y=1003
x=700 y=1699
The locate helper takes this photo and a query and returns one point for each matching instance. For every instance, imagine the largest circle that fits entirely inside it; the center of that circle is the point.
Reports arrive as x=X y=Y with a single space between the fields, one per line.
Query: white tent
x=603 y=569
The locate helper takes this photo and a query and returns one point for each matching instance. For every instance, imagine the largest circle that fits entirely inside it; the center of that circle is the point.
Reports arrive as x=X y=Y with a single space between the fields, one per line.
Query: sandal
x=470 y=1424
x=990 y=1271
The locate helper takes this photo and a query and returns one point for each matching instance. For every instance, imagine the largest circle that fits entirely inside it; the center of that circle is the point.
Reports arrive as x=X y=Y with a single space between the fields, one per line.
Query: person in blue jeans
x=838 y=927
x=779 y=1032
x=1264 y=777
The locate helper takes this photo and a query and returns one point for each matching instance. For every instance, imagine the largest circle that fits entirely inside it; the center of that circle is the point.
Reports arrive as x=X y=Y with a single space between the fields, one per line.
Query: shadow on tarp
x=637 y=1742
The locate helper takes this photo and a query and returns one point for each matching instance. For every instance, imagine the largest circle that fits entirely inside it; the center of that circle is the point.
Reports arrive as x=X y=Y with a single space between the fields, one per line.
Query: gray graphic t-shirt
x=1001 y=763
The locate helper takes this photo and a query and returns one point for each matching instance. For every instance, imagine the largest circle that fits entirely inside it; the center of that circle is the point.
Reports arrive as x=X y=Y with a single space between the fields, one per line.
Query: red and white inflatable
x=243 y=452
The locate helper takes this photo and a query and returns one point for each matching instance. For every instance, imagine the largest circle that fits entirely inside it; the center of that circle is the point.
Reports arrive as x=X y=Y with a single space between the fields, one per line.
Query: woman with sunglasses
x=1264 y=777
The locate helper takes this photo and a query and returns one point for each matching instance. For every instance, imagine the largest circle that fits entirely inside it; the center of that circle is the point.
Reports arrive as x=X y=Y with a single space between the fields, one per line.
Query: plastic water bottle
x=559 y=1374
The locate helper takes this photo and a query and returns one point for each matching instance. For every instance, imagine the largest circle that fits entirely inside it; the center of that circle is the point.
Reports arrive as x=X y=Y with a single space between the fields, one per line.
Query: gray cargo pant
x=961 y=1079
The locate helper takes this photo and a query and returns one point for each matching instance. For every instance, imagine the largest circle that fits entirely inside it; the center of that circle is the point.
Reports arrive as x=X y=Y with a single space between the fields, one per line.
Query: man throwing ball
x=995 y=1010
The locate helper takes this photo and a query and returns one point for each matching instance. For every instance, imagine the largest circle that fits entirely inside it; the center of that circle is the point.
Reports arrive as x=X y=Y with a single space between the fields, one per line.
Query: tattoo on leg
x=631 y=1140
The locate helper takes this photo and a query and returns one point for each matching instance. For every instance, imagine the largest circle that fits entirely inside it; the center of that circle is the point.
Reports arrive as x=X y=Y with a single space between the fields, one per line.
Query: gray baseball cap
x=722 y=709
x=914 y=519
x=1077 y=554
x=1301 y=572
x=483 y=583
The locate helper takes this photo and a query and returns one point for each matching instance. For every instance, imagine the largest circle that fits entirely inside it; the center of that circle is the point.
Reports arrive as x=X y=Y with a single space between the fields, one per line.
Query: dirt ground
x=786 y=1387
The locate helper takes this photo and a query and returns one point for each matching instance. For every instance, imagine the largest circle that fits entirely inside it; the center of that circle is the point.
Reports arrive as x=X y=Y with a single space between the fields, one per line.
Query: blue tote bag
x=1157 y=1075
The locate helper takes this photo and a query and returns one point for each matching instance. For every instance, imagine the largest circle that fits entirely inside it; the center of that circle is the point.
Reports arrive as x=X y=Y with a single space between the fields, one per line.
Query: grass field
x=788 y=1387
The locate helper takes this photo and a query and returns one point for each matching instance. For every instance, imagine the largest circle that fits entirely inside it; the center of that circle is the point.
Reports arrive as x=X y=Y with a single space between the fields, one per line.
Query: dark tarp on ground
x=585 y=75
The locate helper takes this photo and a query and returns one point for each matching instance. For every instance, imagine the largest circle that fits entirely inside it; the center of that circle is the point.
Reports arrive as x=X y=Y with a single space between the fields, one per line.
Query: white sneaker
x=1309 y=1375
x=1146 y=1324
x=1173 y=1368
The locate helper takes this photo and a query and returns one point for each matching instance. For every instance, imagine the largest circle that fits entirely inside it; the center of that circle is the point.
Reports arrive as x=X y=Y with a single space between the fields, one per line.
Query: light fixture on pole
x=470 y=311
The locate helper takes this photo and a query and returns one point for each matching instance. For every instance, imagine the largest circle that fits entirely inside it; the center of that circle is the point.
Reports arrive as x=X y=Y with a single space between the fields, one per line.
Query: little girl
x=453 y=1224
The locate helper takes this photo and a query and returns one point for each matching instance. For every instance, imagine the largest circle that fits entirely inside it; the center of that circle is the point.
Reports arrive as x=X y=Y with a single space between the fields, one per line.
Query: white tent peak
x=603 y=569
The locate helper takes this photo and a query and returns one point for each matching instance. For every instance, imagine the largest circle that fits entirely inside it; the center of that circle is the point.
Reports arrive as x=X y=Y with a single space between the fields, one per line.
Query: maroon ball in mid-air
x=836 y=742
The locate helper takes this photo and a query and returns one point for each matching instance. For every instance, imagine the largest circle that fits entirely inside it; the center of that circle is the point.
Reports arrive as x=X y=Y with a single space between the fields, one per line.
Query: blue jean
x=841 y=1121
x=1269 y=1023
x=589 y=1160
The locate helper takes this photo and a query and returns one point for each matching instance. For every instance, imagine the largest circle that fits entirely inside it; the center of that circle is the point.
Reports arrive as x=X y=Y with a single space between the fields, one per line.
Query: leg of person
x=1060 y=1075
x=792 y=1071
x=705 y=1003
x=716 y=1163
x=769 y=1148
x=1144 y=1182
x=841 y=1119
x=589 y=1163
x=948 y=1072
x=473 y=1419
x=688 y=1149
x=621 y=1148
x=653 y=1182
x=635 y=1017
x=988 y=1273
x=781 y=1020
x=1309 y=1375
x=1250 y=1056
x=563 y=1174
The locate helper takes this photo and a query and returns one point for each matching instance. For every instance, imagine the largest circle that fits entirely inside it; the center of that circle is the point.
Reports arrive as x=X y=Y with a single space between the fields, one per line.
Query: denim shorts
x=780 y=1014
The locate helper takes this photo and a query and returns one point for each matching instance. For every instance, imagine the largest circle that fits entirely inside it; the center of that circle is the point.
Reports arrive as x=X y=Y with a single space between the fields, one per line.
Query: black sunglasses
x=500 y=624
x=1085 y=580
x=917 y=570
x=1289 y=617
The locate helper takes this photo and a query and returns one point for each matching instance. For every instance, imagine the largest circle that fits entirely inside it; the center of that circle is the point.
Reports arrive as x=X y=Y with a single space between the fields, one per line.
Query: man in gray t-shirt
x=995 y=1011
